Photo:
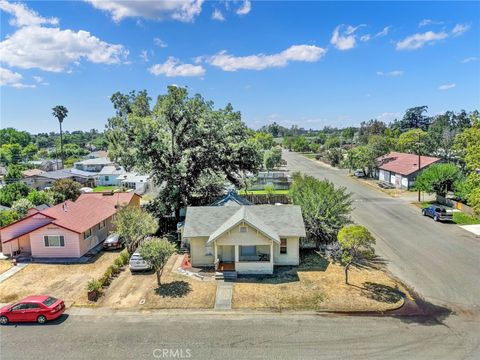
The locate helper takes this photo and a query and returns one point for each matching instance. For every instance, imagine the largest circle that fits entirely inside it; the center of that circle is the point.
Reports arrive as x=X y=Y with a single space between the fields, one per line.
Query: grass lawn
x=461 y=218
x=5 y=265
x=62 y=281
x=320 y=288
x=105 y=188
x=309 y=155
x=176 y=292
x=263 y=192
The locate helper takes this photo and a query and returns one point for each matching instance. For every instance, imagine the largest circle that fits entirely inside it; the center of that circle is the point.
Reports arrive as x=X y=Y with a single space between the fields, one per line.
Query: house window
x=243 y=229
x=248 y=250
x=208 y=250
x=102 y=224
x=54 y=241
x=107 y=178
x=283 y=246
x=87 y=233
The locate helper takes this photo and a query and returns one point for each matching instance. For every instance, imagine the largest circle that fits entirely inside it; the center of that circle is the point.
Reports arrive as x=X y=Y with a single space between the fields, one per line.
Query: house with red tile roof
x=67 y=230
x=401 y=169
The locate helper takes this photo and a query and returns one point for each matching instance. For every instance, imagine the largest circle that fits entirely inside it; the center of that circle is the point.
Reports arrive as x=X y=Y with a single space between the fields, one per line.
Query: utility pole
x=419 y=159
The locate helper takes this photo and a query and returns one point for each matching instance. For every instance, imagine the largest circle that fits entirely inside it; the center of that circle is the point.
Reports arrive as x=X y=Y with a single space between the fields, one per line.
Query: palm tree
x=60 y=112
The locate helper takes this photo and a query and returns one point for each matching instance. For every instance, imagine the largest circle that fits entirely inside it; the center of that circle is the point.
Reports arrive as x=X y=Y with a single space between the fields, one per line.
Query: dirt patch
x=5 y=265
x=369 y=290
x=176 y=292
x=63 y=281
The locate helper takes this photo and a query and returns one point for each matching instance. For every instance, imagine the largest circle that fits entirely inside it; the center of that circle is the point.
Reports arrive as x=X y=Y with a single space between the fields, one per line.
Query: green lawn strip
x=263 y=192
x=104 y=188
x=461 y=218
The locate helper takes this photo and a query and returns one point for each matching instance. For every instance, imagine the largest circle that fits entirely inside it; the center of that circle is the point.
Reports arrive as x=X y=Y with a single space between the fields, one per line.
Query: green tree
x=12 y=192
x=13 y=174
x=412 y=141
x=181 y=140
x=60 y=112
x=356 y=243
x=438 y=179
x=325 y=209
x=265 y=140
x=134 y=224
x=65 y=189
x=13 y=136
x=41 y=197
x=414 y=118
x=29 y=152
x=11 y=154
x=21 y=206
x=156 y=252
x=7 y=217
x=272 y=158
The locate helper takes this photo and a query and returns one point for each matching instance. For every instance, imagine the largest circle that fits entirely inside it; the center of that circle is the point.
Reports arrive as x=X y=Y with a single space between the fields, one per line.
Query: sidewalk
x=223 y=298
x=12 y=271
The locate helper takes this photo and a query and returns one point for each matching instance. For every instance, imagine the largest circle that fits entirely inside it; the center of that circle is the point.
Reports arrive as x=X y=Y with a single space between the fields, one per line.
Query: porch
x=251 y=259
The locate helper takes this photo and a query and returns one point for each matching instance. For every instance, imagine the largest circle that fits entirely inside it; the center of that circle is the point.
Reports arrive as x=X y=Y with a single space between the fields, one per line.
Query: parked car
x=39 y=308
x=138 y=264
x=359 y=174
x=437 y=213
x=113 y=241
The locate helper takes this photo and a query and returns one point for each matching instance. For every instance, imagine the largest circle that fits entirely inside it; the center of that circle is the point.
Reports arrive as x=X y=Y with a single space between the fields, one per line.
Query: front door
x=228 y=253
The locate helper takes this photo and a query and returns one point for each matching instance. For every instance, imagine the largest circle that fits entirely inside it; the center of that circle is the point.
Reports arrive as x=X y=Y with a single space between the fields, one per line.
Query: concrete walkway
x=474 y=229
x=223 y=298
x=12 y=271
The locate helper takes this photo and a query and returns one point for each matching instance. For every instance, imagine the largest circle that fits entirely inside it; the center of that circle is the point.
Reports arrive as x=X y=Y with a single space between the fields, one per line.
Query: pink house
x=67 y=230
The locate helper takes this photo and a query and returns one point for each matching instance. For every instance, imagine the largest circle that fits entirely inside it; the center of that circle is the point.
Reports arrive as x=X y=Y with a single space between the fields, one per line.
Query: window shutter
x=62 y=240
x=45 y=240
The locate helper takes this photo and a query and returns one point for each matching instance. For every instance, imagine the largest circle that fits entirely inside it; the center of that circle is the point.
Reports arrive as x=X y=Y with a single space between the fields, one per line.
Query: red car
x=39 y=308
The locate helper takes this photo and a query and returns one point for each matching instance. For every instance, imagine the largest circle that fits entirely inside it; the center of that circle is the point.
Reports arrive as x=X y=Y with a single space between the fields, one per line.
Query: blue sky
x=306 y=63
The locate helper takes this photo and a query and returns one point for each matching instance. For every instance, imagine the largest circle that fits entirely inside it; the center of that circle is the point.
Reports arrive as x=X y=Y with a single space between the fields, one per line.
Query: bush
x=94 y=285
x=115 y=269
x=125 y=256
x=118 y=262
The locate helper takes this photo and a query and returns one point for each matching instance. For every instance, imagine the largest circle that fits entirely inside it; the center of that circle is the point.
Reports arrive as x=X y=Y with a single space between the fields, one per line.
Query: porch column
x=271 y=255
x=237 y=257
x=215 y=252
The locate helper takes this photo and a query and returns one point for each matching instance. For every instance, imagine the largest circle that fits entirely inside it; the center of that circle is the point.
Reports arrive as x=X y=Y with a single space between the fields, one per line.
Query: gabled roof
x=114 y=198
x=112 y=170
x=66 y=174
x=244 y=215
x=404 y=164
x=95 y=161
x=32 y=172
x=231 y=199
x=283 y=220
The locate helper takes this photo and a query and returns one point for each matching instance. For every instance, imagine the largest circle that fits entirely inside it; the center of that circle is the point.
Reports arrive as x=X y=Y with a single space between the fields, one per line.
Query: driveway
x=439 y=261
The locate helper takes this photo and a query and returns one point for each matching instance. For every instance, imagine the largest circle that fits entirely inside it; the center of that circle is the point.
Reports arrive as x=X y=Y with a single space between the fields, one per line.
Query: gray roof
x=66 y=173
x=112 y=170
x=95 y=161
x=273 y=220
x=231 y=199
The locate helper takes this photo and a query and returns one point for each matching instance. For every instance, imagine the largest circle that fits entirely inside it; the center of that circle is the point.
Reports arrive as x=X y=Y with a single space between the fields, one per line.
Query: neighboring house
x=97 y=154
x=93 y=165
x=136 y=182
x=67 y=230
x=115 y=198
x=280 y=180
x=231 y=199
x=247 y=239
x=46 y=165
x=108 y=176
x=401 y=169
x=40 y=180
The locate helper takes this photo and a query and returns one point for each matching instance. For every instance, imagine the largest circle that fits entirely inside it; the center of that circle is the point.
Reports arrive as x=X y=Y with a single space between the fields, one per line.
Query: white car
x=138 y=264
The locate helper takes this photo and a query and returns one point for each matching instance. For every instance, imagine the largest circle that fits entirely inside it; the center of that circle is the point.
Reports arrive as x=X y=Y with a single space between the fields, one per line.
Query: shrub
x=118 y=262
x=94 y=285
x=125 y=256
x=115 y=269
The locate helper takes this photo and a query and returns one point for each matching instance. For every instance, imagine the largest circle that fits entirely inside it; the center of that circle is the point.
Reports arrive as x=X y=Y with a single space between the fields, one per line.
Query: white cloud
x=384 y=32
x=245 y=8
x=391 y=73
x=160 y=43
x=469 y=59
x=144 y=55
x=460 y=29
x=344 y=39
x=227 y=62
x=38 y=79
x=217 y=15
x=365 y=37
x=426 y=22
x=418 y=40
x=13 y=79
x=52 y=49
x=446 y=87
x=172 y=68
x=23 y=16
x=181 y=10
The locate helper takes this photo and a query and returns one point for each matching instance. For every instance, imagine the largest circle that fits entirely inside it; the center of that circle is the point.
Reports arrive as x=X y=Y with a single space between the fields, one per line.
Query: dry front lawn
x=321 y=289
x=5 y=265
x=67 y=282
x=176 y=292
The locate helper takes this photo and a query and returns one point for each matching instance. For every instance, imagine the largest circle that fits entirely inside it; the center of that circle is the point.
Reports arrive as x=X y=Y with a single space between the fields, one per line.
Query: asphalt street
x=439 y=261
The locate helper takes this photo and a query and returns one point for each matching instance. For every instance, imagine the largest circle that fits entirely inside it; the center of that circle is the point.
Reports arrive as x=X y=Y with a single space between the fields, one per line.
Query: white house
x=93 y=165
x=249 y=239
x=135 y=181
x=109 y=175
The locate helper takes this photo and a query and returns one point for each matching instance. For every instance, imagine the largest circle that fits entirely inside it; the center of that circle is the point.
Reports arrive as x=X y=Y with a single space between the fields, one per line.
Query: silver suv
x=138 y=264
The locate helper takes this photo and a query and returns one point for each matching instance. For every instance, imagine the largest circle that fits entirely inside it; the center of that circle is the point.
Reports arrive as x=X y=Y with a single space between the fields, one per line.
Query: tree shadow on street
x=174 y=289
